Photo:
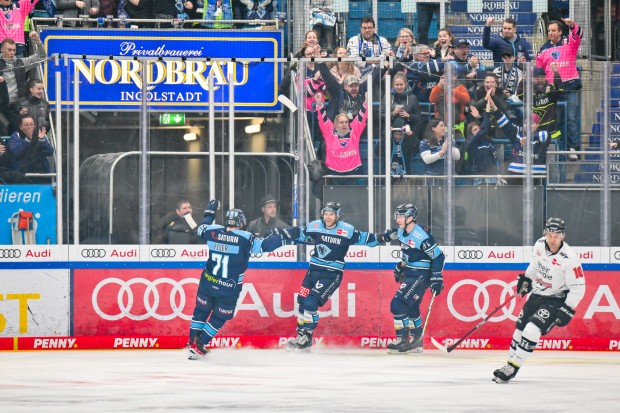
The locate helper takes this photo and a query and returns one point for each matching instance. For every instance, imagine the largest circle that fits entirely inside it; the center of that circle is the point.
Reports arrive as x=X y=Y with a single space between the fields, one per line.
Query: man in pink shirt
x=12 y=21
x=563 y=51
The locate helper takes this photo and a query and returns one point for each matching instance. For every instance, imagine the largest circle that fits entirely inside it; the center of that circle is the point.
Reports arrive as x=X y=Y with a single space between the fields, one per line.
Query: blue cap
x=539 y=71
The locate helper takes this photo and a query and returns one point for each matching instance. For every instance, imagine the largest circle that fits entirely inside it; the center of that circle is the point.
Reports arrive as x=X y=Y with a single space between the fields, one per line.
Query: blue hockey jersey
x=421 y=254
x=332 y=245
x=229 y=253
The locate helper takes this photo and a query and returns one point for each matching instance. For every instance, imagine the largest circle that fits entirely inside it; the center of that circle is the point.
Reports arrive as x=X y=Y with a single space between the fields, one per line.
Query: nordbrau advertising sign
x=114 y=81
x=38 y=204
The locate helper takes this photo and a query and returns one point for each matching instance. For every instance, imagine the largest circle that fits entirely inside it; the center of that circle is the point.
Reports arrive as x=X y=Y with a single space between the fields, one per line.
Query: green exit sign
x=172 y=119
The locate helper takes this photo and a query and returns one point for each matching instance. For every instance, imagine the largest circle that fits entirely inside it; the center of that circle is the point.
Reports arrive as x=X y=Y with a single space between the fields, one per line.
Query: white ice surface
x=327 y=380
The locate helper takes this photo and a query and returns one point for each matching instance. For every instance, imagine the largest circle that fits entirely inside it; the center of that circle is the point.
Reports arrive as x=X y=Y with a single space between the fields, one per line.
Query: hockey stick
x=480 y=324
x=428 y=314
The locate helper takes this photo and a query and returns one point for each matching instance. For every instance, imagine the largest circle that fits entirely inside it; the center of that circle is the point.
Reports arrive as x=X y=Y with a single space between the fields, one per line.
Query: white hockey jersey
x=556 y=274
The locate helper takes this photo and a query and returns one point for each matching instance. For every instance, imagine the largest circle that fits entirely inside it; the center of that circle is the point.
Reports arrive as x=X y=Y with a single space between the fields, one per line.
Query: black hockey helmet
x=333 y=207
x=235 y=218
x=555 y=225
x=408 y=210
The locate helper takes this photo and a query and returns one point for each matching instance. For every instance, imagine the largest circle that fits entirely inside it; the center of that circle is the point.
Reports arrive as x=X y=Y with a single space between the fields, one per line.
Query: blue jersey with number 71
x=229 y=253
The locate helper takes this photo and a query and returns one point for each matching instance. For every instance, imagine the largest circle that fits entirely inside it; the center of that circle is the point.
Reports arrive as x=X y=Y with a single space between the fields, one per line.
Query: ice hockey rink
x=327 y=380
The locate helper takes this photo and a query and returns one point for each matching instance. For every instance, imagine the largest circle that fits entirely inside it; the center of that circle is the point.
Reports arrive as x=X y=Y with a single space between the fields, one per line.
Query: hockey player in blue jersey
x=332 y=239
x=420 y=268
x=221 y=280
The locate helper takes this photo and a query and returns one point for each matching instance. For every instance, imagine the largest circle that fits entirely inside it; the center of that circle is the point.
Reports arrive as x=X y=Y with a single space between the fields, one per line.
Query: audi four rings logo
x=151 y=299
x=470 y=254
x=93 y=253
x=397 y=253
x=163 y=253
x=617 y=255
x=481 y=307
x=260 y=254
x=10 y=253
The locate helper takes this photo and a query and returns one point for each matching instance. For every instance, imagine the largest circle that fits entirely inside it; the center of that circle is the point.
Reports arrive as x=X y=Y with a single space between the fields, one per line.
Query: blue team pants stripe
x=208 y=328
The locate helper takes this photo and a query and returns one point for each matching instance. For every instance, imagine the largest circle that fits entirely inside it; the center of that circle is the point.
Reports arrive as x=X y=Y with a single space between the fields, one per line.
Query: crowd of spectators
x=487 y=101
x=24 y=111
x=418 y=73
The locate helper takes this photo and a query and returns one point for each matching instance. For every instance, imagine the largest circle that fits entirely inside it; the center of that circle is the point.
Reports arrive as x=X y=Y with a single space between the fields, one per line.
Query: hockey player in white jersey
x=557 y=283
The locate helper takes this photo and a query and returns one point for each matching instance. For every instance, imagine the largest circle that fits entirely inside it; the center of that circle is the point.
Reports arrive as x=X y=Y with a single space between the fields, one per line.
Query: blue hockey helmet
x=235 y=218
x=332 y=207
x=408 y=210
x=555 y=225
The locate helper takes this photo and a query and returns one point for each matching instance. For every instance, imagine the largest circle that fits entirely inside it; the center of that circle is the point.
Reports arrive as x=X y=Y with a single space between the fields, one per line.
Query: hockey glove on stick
x=564 y=315
x=524 y=285
x=399 y=274
x=212 y=207
x=436 y=283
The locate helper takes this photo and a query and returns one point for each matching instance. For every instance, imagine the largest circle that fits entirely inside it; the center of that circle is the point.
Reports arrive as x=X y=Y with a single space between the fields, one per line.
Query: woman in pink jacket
x=342 y=140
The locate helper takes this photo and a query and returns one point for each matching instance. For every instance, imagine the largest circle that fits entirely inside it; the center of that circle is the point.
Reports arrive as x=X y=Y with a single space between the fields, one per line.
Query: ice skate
x=292 y=344
x=195 y=351
x=305 y=342
x=417 y=345
x=301 y=343
x=402 y=345
x=506 y=373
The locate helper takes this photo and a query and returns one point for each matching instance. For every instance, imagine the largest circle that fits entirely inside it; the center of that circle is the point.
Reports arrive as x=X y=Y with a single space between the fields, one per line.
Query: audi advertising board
x=33 y=253
x=283 y=254
x=158 y=303
x=475 y=254
x=589 y=254
x=94 y=253
x=34 y=303
x=198 y=253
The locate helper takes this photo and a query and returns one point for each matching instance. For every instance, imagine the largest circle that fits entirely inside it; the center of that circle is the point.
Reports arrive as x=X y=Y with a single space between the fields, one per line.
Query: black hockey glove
x=389 y=235
x=436 y=283
x=288 y=234
x=564 y=315
x=399 y=274
x=212 y=207
x=524 y=285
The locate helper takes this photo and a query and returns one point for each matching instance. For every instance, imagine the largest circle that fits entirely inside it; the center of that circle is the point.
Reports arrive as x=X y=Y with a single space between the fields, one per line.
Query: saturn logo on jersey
x=322 y=250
